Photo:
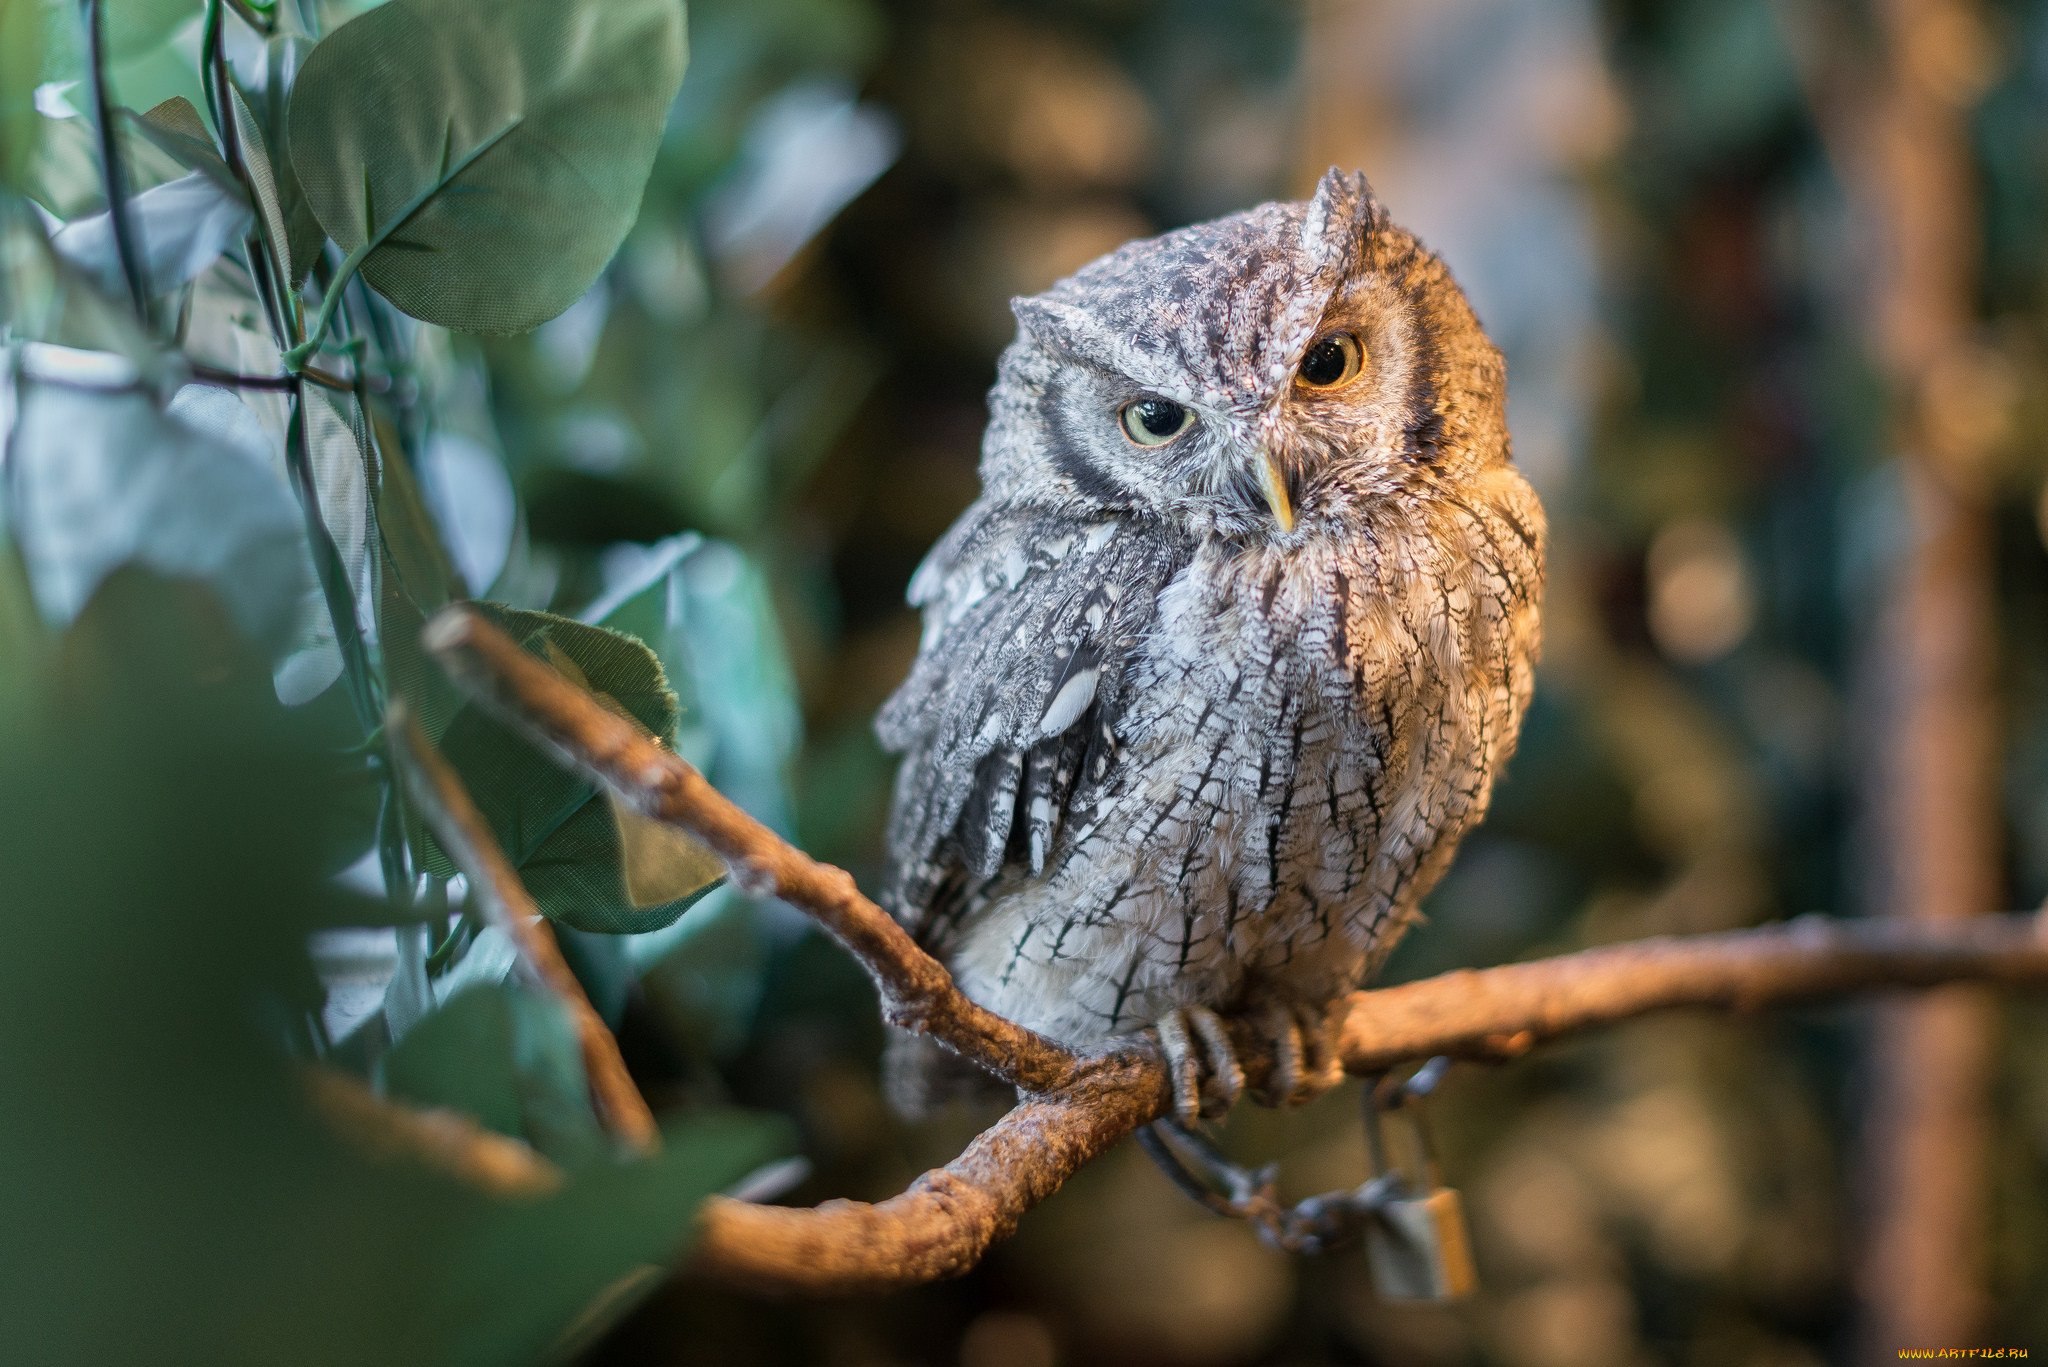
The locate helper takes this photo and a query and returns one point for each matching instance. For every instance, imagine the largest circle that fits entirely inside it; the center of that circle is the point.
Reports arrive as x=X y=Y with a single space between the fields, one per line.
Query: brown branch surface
x=1072 y=1108
x=941 y=1226
x=494 y=883
x=441 y=1139
x=1500 y=1013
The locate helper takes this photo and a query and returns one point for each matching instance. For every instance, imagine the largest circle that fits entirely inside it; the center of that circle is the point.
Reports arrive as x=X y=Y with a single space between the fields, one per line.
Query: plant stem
x=334 y=585
x=113 y=175
x=215 y=69
x=295 y=359
x=263 y=24
x=326 y=379
x=495 y=889
x=377 y=236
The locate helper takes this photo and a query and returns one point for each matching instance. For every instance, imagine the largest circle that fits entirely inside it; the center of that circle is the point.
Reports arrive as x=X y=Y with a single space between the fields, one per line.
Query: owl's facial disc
x=1153 y=422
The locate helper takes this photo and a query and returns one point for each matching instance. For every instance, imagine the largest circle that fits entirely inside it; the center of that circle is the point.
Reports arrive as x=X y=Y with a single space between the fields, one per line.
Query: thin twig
x=916 y=990
x=326 y=379
x=213 y=61
x=113 y=173
x=442 y=1139
x=1077 y=1108
x=463 y=832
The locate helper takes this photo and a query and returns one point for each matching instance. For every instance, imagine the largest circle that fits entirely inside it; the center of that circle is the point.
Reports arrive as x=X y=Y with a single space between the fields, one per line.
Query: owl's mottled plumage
x=1158 y=750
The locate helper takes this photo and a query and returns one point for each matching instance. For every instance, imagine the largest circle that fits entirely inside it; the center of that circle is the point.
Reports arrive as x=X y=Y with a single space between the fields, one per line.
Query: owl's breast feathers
x=1202 y=755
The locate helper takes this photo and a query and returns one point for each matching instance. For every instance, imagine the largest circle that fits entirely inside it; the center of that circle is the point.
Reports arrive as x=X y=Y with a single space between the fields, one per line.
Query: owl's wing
x=1010 y=711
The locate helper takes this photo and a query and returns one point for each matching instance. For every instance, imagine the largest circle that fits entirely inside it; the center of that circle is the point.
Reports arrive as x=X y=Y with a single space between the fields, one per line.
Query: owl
x=1223 y=662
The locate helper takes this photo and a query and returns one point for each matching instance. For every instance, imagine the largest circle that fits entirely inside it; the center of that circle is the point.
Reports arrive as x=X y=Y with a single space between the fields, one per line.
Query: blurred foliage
x=164 y=823
x=730 y=441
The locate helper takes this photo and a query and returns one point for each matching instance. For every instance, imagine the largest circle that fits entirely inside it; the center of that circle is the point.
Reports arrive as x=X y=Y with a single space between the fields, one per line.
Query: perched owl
x=1223 y=662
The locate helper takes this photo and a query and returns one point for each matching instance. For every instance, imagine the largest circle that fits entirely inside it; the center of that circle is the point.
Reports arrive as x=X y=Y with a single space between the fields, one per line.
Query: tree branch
x=1497 y=1014
x=1073 y=1108
x=445 y=1140
x=949 y=1217
x=917 y=992
x=496 y=888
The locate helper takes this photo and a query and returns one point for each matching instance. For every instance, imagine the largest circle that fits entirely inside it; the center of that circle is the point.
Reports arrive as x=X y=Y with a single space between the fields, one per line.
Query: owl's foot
x=1306 y=1060
x=1207 y=1080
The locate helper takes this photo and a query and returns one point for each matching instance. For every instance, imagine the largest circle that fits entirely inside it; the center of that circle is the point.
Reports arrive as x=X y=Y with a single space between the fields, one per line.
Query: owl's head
x=1255 y=377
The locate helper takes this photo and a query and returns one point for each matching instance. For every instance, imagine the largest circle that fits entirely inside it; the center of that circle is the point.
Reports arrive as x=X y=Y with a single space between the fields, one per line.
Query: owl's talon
x=1225 y=1073
x=1207 y=1079
x=1183 y=1065
x=1281 y=1026
x=1323 y=1058
x=1306 y=1060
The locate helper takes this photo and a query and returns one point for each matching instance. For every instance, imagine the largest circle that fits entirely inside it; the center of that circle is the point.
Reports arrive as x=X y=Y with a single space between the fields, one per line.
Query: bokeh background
x=1680 y=221
x=1772 y=281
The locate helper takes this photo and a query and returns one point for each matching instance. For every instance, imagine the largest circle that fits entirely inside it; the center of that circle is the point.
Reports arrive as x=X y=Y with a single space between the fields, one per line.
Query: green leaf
x=508 y=1056
x=187 y=1205
x=182 y=226
x=481 y=161
x=175 y=128
x=25 y=642
x=21 y=58
x=589 y=862
x=745 y=677
x=47 y=302
x=269 y=201
x=284 y=56
x=406 y=529
x=343 y=464
x=582 y=1257
x=134 y=29
x=610 y=869
x=103 y=478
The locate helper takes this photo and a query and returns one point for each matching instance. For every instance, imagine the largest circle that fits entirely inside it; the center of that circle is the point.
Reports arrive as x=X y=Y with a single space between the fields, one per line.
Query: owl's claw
x=1306 y=1062
x=1207 y=1080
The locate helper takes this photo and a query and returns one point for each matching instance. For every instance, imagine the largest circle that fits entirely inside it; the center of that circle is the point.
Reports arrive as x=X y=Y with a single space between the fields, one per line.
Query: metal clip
x=1416 y=1241
x=1414 y=1231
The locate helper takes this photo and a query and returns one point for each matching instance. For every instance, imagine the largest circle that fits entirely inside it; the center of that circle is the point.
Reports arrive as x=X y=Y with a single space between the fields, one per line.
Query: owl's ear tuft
x=1341 y=212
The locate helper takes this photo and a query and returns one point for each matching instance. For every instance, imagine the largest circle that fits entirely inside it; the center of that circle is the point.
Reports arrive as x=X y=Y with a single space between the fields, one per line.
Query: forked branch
x=1072 y=1108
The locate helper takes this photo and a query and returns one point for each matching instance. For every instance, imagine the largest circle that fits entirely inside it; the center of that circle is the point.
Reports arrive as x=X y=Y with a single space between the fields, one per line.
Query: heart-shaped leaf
x=508 y=1056
x=479 y=160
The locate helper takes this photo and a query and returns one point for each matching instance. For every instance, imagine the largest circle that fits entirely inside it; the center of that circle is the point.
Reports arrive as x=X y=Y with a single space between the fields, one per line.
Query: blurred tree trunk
x=1933 y=794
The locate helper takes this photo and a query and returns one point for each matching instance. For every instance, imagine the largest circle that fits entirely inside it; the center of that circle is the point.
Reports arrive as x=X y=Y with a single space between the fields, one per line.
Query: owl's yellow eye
x=1333 y=359
x=1154 y=422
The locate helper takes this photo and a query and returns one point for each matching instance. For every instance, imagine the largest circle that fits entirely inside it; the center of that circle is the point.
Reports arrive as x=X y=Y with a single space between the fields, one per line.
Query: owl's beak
x=1273 y=484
